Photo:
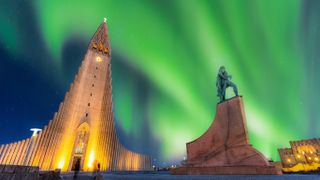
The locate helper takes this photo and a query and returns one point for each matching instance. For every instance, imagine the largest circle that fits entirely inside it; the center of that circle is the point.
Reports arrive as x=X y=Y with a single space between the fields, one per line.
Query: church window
x=81 y=142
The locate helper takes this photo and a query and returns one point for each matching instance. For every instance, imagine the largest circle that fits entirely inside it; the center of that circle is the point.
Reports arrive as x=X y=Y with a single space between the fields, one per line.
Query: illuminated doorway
x=80 y=147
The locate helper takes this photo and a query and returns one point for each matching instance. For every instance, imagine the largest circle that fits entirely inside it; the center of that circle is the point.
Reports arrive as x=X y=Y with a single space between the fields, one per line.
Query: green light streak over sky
x=178 y=46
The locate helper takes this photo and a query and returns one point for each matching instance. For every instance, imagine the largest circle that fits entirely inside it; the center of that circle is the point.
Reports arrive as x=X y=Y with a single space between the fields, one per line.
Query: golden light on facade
x=305 y=153
x=289 y=160
x=91 y=159
x=60 y=165
x=98 y=59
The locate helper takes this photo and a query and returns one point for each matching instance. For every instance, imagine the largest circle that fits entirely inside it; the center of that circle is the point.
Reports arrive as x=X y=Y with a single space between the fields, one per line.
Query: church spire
x=100 y=40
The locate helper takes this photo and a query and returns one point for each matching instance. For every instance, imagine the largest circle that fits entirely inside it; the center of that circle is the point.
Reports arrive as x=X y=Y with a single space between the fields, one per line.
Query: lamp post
x=31 y=145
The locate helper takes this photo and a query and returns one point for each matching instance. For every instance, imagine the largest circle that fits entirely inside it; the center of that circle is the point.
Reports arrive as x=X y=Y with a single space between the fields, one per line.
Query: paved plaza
x=167 y=176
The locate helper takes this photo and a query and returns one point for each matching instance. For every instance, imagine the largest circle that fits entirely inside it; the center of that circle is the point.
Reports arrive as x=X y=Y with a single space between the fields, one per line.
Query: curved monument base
x=225 y=148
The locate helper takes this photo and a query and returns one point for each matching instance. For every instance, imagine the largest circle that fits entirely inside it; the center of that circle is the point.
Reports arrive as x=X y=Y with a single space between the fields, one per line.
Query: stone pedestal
x=225 y=147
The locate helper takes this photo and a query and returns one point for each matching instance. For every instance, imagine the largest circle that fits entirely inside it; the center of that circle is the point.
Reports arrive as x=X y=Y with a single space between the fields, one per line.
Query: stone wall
x=14 y=172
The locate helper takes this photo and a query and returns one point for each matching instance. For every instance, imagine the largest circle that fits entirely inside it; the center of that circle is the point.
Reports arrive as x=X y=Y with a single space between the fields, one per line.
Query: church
x=82 y=130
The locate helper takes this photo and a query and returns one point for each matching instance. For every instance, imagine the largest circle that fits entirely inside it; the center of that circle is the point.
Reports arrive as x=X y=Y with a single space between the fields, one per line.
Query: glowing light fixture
x=289 y=160
x=98 y=59
x=317 y=159
x=309 y=158
x=298 y=156
x=35 y=131
x=60 y=165
x=91 y=158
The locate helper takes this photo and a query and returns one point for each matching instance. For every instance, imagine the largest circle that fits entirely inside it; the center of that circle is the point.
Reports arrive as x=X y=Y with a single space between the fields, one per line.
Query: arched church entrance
x=80 y=147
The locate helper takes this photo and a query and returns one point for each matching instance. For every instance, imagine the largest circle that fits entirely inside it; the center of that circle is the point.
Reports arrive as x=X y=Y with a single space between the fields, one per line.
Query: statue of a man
x=223 y=82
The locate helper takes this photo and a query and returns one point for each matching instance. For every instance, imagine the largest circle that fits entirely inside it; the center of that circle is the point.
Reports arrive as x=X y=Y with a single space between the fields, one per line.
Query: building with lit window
x=83 y=129
x=303 y=156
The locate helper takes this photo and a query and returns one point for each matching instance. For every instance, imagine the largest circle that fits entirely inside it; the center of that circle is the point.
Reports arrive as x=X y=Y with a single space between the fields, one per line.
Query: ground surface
x=167 y=176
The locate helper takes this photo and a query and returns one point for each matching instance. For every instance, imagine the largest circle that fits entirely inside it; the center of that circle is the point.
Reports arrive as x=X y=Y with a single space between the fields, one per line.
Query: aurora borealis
x=165 y=57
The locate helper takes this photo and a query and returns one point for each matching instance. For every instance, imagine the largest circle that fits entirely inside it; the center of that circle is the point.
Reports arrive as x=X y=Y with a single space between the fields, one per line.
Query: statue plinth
x=225 y=147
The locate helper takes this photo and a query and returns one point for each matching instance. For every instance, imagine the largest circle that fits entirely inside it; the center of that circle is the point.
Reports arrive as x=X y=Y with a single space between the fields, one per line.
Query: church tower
x=83 y=130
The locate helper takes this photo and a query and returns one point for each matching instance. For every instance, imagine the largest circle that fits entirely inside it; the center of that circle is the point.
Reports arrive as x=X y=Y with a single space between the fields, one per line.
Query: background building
x=303 y=156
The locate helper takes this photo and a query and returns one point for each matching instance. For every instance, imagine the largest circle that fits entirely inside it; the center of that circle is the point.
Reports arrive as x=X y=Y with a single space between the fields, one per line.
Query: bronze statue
x=223 y=82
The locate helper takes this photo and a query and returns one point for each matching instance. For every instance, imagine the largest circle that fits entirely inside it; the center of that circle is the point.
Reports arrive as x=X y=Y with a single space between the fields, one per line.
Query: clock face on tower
x=98 y=59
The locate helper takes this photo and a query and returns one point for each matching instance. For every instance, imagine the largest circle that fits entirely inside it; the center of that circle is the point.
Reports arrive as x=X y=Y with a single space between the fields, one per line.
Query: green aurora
x=270 y=47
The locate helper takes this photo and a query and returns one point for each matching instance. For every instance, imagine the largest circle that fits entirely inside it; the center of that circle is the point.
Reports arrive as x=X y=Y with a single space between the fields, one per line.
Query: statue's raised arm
x=223 y=82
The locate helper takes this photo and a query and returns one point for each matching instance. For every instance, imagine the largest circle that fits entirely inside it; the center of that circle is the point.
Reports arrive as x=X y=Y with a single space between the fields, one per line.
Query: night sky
x=165 y=57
